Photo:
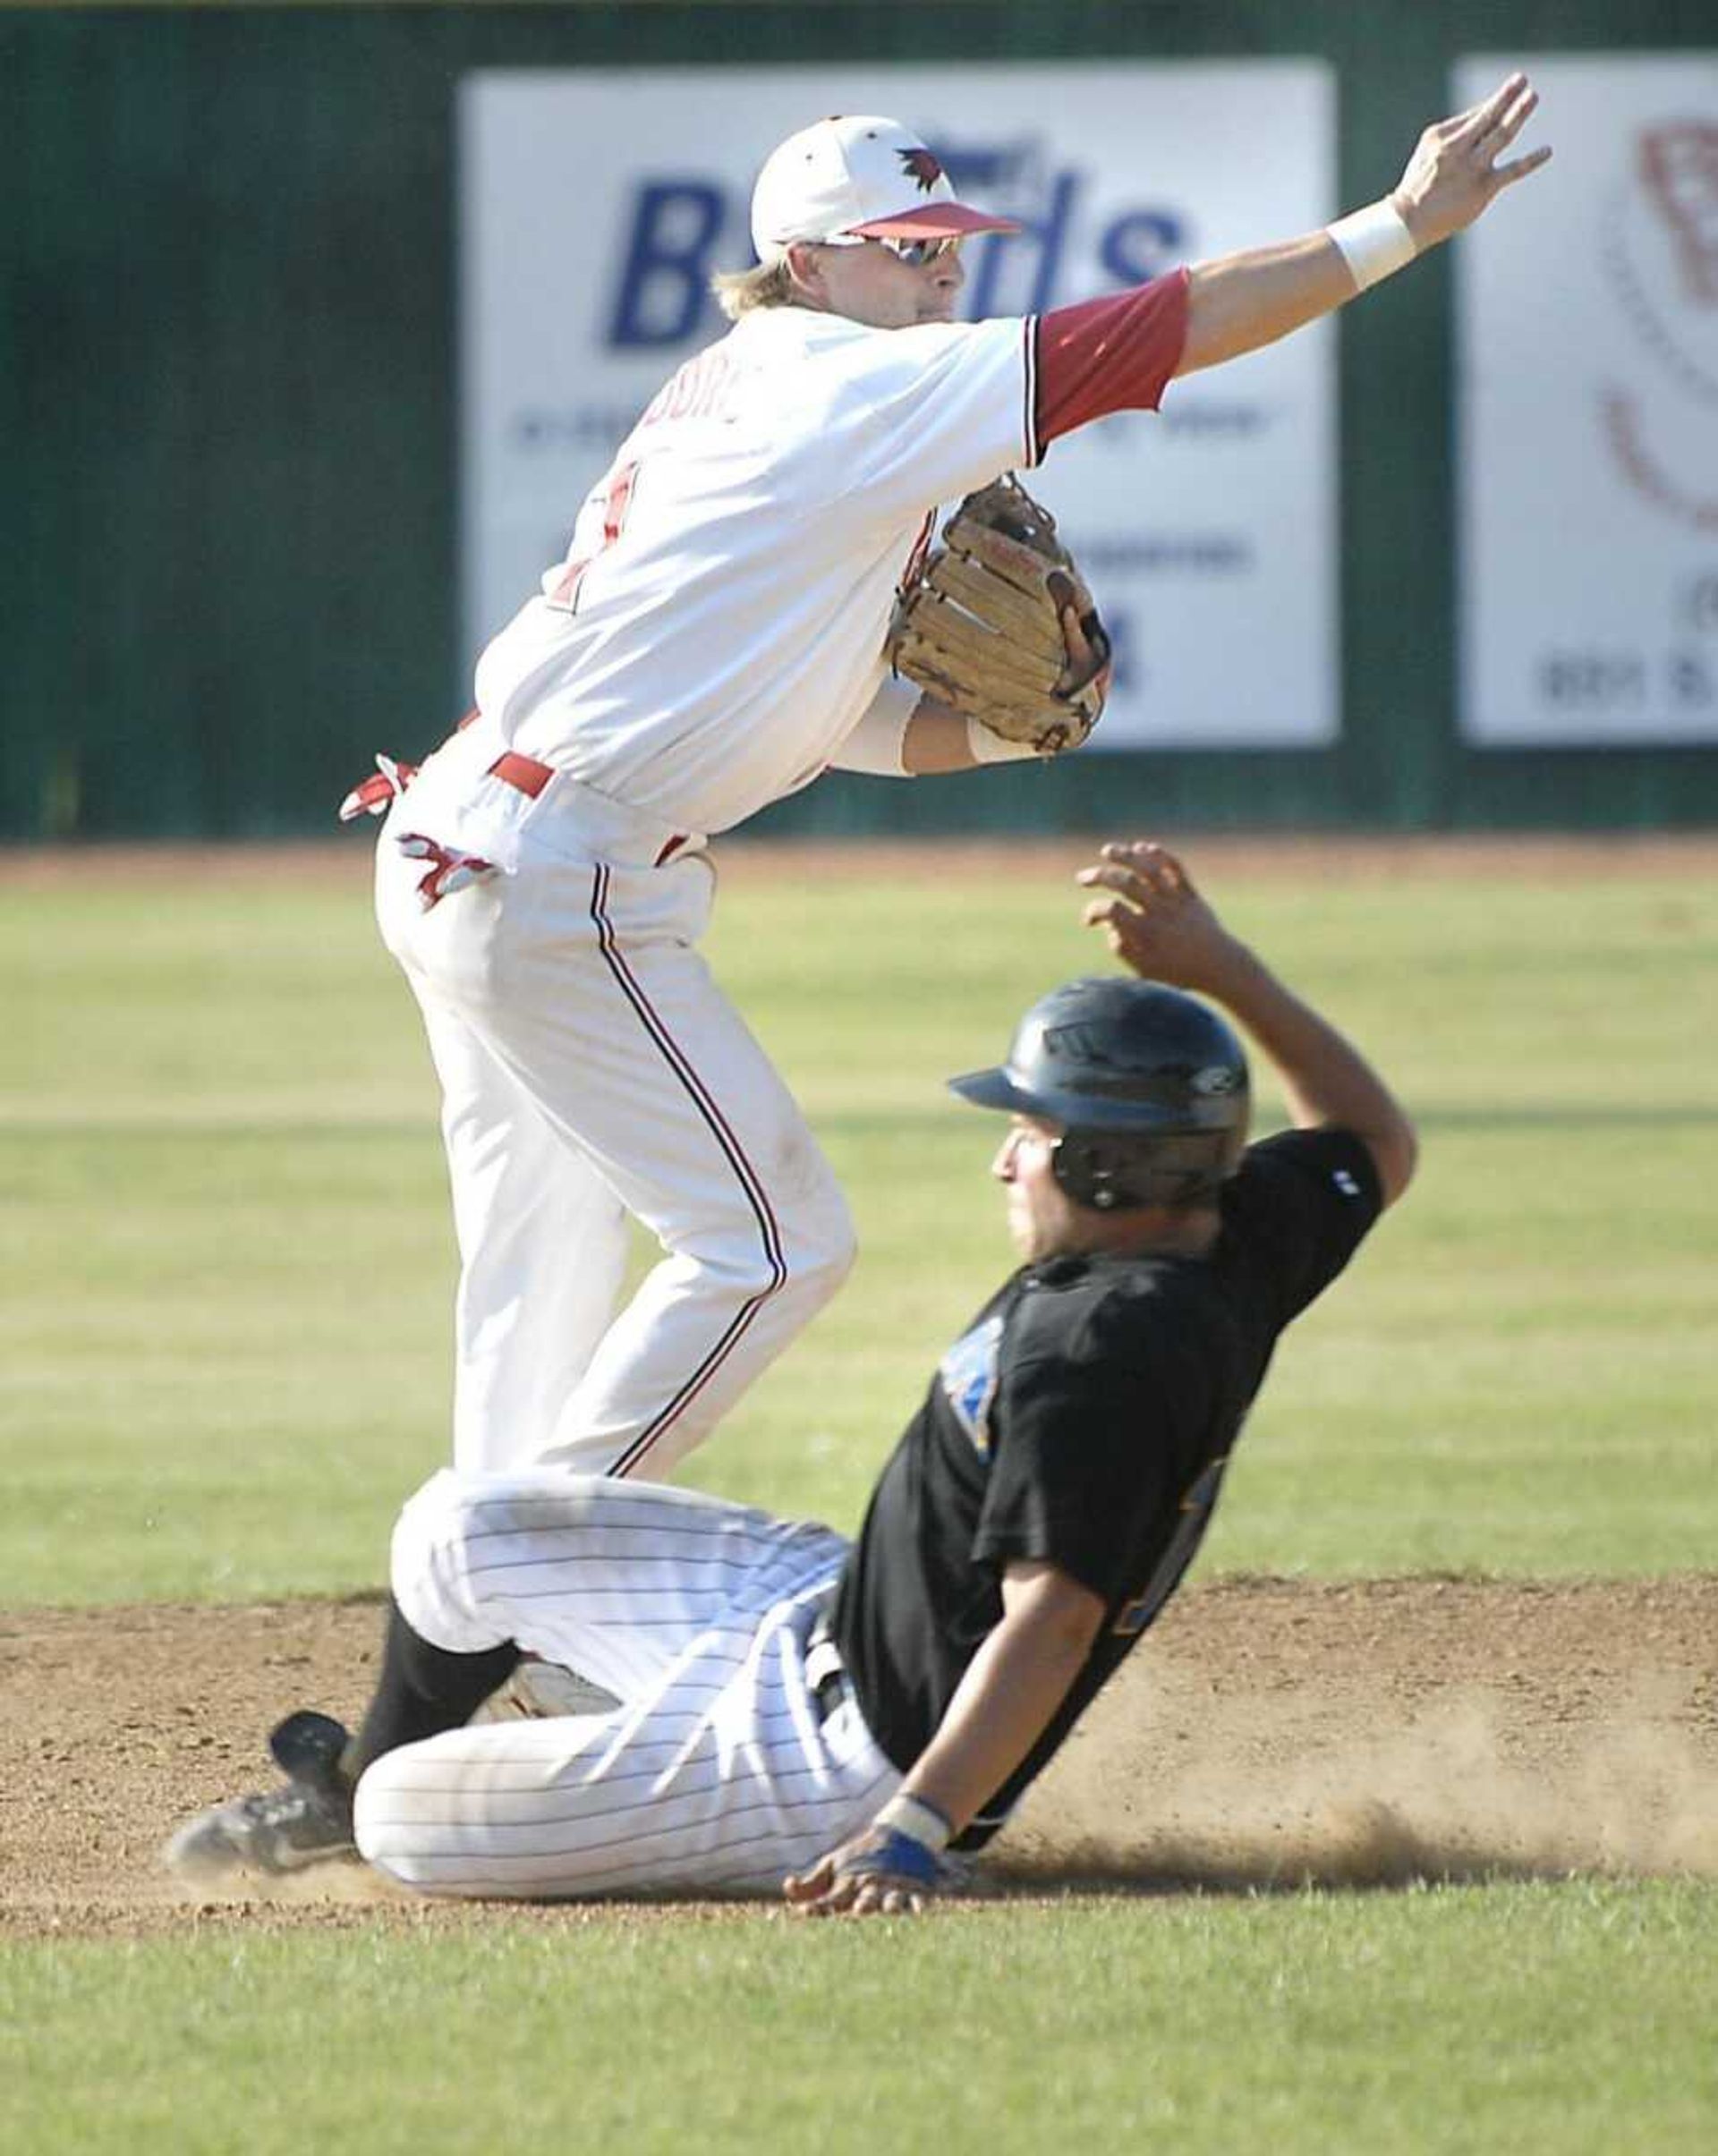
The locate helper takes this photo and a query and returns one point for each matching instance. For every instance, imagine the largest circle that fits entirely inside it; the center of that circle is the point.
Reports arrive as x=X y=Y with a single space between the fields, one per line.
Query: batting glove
x=886 y=1853
x=375 y=795
x=898 y=1859
x=450 y=871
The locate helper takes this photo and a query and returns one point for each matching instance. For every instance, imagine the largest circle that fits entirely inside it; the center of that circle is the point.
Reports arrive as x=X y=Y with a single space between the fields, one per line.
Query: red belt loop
x=523 y=774
x=670 y=850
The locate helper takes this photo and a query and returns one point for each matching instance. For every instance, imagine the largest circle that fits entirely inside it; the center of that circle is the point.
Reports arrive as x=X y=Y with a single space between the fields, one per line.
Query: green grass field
x=228 y=1264
x=1567 y=2021
x=224 y=1291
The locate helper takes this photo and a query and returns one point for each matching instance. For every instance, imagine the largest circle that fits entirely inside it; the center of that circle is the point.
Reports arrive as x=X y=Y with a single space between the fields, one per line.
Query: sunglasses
x=915 y=253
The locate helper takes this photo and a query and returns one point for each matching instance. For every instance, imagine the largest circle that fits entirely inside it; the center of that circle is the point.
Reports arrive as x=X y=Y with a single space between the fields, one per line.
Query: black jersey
x=1084 y=1419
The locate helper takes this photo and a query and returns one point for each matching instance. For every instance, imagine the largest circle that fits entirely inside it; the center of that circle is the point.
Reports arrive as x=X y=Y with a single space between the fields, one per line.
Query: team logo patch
x=922 y=165
x=968 y=1372
x=1345 y=1182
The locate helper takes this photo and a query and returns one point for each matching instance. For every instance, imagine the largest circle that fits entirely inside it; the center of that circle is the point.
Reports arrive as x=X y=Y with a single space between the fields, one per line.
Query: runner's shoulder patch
x=968 y=1372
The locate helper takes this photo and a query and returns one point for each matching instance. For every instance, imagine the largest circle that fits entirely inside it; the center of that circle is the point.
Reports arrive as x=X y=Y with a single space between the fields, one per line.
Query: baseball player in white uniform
x=713 y=641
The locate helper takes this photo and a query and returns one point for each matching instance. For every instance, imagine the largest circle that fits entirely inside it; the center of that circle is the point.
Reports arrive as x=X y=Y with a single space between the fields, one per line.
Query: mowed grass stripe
x=227 y=1266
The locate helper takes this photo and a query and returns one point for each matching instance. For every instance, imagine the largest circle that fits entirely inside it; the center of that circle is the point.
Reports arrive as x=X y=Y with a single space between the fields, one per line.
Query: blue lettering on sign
x=1041 y=241
x=1025 y=275
x=683 y=228
x=1142 y=245
x=664 y=279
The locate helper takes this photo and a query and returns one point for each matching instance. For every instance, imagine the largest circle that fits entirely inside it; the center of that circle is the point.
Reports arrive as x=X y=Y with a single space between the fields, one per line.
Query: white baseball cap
x=861 y=178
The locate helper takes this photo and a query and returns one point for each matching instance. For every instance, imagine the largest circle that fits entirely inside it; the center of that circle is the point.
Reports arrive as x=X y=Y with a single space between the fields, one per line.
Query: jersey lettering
x=1133 y=1617
x=565 y=596
x=701 y=390
x=710 y=584
x=664 y=288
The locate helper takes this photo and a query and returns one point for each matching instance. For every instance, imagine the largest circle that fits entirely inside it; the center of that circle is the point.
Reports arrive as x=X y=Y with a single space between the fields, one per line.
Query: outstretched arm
x=1241 y=302
x=1157 y=924
x=1004 y=1703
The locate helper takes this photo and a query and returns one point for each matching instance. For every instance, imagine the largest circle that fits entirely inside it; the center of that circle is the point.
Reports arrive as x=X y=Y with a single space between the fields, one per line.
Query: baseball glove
x=982 y=626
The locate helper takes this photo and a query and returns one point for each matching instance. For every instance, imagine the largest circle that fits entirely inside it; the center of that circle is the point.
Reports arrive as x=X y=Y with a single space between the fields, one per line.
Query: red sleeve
x=1111 y=354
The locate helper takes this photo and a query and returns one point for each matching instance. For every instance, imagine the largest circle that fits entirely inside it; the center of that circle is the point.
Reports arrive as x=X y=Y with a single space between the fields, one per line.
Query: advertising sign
x=595 y=205
x=1588 y=340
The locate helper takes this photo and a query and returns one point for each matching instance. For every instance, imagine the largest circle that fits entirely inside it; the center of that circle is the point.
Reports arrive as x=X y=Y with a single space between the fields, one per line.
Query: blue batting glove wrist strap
x=885 y=1852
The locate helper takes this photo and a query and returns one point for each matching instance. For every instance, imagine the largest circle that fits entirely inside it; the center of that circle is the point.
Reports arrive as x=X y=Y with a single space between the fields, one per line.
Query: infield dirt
x=1269 y=1733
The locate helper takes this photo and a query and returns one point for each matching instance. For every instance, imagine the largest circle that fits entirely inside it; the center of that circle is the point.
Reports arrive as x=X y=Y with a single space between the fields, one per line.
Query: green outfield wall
x=228 y=422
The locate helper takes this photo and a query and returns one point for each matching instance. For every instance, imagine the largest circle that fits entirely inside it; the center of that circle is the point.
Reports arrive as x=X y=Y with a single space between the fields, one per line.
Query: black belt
x=826 y=1677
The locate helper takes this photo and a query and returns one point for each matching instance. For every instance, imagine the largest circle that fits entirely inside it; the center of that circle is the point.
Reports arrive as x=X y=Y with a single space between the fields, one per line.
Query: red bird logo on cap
x=922 y=167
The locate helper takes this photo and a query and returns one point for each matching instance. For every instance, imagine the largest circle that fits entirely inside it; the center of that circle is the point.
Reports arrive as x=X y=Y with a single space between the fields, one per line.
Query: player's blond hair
x=765 y=285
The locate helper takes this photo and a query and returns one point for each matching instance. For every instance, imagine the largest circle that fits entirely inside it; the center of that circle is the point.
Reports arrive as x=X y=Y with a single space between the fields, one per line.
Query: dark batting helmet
x=1147 y=1086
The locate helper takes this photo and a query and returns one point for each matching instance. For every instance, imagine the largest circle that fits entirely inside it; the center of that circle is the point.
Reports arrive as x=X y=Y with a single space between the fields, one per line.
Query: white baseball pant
x=717 y=1773
x=590 y=1067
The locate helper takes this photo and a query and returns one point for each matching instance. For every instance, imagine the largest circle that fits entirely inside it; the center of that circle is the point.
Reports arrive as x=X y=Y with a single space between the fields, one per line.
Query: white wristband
x=988 y=748
x=919 y=1819
x=1374 y=242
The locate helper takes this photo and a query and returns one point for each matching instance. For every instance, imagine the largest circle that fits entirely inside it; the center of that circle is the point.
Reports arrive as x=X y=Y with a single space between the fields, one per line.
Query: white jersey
x=715 y=630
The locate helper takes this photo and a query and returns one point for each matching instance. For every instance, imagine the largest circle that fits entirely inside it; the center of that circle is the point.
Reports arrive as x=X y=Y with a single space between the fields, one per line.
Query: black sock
x=423 y=1690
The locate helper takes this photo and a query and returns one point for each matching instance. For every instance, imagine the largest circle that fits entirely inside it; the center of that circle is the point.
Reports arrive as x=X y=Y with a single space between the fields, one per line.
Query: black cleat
x=308 y=1747
x=306 y=1822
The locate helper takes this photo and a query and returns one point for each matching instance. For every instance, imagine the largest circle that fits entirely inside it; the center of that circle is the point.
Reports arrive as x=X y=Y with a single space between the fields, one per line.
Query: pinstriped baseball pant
x=716 y=1773
x=590 y=1067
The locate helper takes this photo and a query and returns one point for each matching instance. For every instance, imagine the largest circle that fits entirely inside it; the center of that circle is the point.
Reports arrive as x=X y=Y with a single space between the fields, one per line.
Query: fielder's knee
x=808 y=1252
x=821 y=1247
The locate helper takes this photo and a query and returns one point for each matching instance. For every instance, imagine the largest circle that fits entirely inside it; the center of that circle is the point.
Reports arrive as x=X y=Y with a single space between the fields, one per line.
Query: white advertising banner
x=1588 y=308
x=594 y=204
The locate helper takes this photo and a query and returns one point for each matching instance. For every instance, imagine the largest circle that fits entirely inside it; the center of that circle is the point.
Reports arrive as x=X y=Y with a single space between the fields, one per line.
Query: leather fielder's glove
x=981 y=627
